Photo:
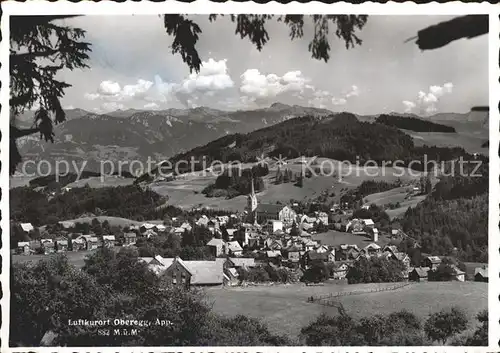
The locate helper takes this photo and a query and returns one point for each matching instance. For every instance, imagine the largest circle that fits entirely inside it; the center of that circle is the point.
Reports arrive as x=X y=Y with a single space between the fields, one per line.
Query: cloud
x=91 y=96
x=193 y=90
x=339 y=101
x=409 y=106
x=259 y=87
x=212 y=78
x=151 y=105
x=426 y=102
x=353 y=92
x=323 y=99
x=107 y=107
x=109 y=88
x=320 y=98
x=138 y=90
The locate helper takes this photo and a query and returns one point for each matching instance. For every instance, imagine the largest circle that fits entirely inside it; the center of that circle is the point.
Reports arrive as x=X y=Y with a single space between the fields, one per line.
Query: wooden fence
x=321 y=299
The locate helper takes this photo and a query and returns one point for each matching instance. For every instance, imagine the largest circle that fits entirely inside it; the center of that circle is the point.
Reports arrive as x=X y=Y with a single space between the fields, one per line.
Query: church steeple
x=252 y=191
x=252 y=204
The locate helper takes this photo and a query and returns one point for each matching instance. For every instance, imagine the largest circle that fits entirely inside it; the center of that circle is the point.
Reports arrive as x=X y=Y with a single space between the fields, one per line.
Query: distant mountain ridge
x=126 y=135
x=138 y=134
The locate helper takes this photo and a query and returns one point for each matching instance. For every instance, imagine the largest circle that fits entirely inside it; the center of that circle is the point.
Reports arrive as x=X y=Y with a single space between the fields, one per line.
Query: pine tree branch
x=16 y=133
x=21 y=56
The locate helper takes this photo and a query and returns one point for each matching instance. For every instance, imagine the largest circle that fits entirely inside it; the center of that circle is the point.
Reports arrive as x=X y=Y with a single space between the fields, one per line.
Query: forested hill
x=338 y=136
x=413 y=124
x=453 y=219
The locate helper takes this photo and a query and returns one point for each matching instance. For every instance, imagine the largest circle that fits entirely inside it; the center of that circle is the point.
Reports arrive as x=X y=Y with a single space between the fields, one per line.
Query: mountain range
x=160 y=134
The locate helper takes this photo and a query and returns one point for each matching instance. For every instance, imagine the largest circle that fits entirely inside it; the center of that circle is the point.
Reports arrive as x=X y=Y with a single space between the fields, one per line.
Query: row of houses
x=298 y=251
x=84 y=242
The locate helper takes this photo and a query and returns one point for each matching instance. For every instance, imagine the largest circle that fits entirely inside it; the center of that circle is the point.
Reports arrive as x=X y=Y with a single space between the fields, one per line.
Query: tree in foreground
x=47 y=294
x=400 y=328
x=480 y=336
x=444 y=324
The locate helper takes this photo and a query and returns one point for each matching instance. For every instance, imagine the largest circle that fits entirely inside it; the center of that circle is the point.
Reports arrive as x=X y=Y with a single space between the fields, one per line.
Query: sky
x=131 y=66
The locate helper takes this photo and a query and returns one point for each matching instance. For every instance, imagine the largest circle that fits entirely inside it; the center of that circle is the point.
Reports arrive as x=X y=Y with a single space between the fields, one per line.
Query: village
x=263 y=235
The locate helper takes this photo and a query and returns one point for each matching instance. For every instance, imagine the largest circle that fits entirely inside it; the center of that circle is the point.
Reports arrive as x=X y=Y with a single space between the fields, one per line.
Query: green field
x=97 y=182
x=75 y=258
x=393 y=196
x=471 y=142
x=285 y=309
x=186 y=191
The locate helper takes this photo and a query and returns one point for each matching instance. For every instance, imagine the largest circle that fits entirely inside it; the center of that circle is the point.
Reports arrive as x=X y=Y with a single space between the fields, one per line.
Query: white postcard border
x=207 y=7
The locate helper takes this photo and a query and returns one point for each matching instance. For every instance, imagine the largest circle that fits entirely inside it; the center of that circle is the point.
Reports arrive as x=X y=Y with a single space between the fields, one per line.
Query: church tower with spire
x=252 y=205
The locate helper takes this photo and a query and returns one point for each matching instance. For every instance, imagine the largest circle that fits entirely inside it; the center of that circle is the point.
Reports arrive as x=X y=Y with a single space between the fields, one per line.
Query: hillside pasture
x=113 y=221
x=285 y=308
x=98 y=182
x=470 y=142
x=19 y=181
x=185 y=192
x=394 y=196
x=76 y=258
x=335 y=238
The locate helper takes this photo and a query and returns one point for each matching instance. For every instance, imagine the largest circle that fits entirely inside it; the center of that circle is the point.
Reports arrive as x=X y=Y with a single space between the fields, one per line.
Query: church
x=262 y=213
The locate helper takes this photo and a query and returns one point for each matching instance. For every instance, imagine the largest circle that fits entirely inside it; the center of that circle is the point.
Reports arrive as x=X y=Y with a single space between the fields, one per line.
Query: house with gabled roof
x=35 y=247
x=129 y=238
x=23 y=247
x=160 y=228
x=355 y=226
x=91 y=241
x=340 y=270
x=392 y=249
x=403 y=257
x=48 y=246
x=240 y=262
x=202 y=221
x=109 y=241
x=321 y=248
x=311 y=256
x=432 y=262
x=457 y=274
x=78 y=244
x=148 y=233
x=293 y=253
x=217 y=246
x=62 y=245
x=481 y=274
x=368 y=222
x=309 y=245
x=419 y=274
x=67 y=224
x=275 y=244
x=322 y=217
x=26 y=227
x=371 y=249
x=231 y=277
x=199 y=273
x=147 y=226
x=265 y=212
x=234 y=248
x=274 y=256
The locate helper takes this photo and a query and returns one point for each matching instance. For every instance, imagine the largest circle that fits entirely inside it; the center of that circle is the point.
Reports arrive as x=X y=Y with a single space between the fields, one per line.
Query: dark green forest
x=132 y=202
x=340 y=136
x=413 y=124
